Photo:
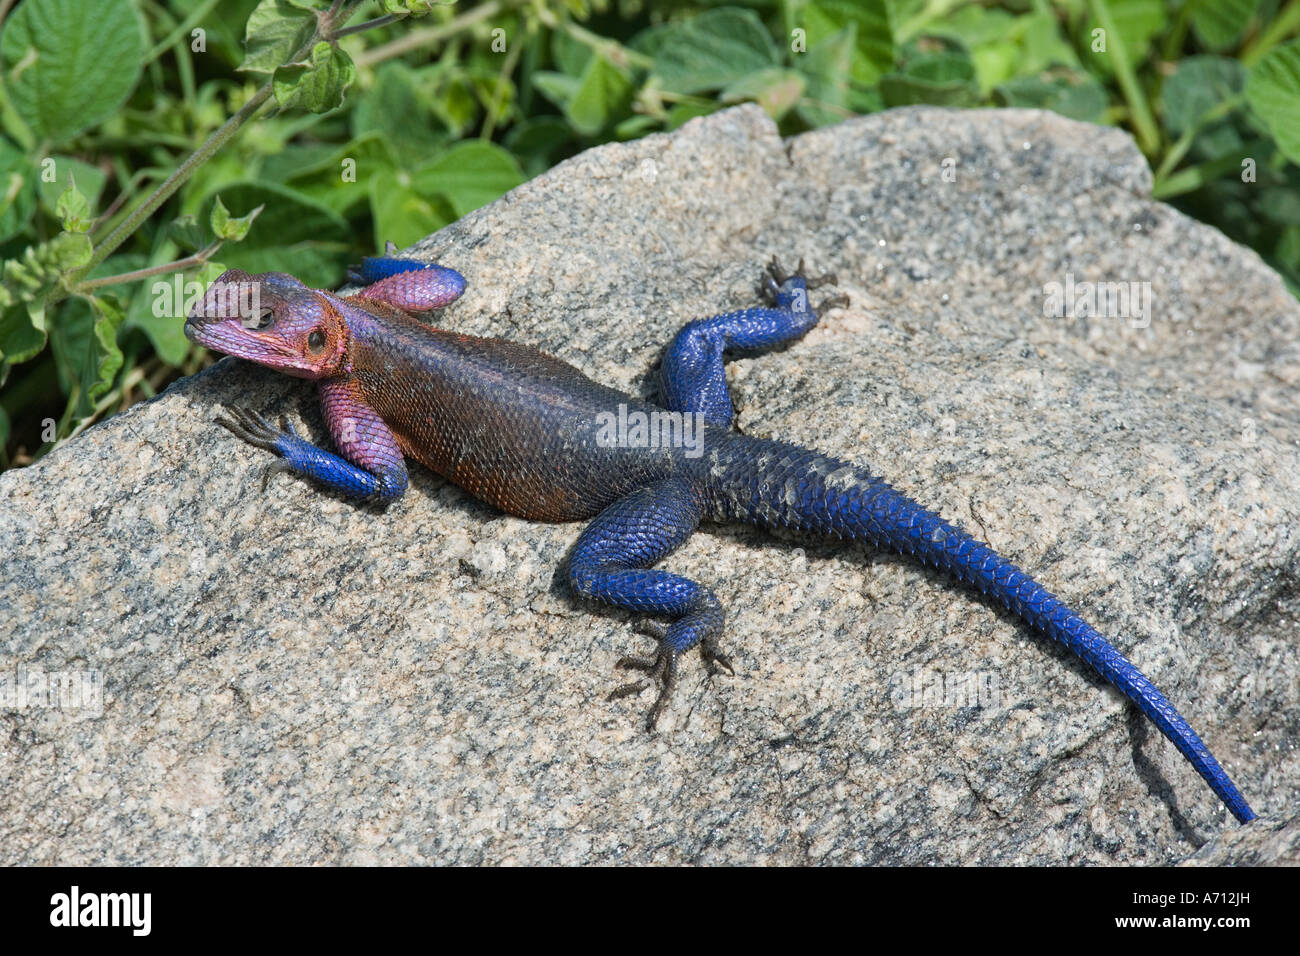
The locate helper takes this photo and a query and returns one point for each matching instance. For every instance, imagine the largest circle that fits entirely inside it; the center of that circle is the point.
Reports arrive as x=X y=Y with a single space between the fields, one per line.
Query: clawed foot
x=246 y=424
x=777 y=277
x=662 y=668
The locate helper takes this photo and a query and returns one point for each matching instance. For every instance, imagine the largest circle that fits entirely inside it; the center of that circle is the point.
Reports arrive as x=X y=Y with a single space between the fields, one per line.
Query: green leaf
x=186 y=232
x=685 y=112
x=559 y=88
x=1280 y=204
x=209 y=272
x=293 y=234
x=1071 y=93
x=995 y=62
x=83 y=340
x=773 y=89
x=109 y=315
x=17 y=198
x=403 y=215
x=1136 y=21
x=276 y=30
x=69 y=250
x=451 y=94
x=711 y=50
x=1218 y=24
x=1044 y=43
x=392 y=108
x=224 y=226
x=537 y=140
x=974 y=26
x=827 y=66
x=20 y=337
x=1273 y=90
x=569 y=54
x=318 y=86
x=1287 y=252
x=1199 y=85
x=874 y=33
x=946 y=79
x=161 y=316
x=70 y=64
x=73 y=210
x=59 y=172
x=340 y=180
x=603 y=94
x=470 y=174
x=1003 y=46
x=408 y=8
x=634 y=127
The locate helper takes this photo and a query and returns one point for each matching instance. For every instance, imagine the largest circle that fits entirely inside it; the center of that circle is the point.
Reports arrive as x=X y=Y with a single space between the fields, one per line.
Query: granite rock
x=289 y=678
x=1269 y=842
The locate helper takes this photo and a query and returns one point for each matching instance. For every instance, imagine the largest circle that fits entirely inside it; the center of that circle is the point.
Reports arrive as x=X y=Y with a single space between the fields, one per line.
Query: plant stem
x=181 y=30
x=1180 y=148
x=613 y=51
x=368 y=25
x=183 y=172
x=1287 y=20
x=418 y=38
x=1144 y=124
x=499 y=91
x=197 y=259
x=1194 y=177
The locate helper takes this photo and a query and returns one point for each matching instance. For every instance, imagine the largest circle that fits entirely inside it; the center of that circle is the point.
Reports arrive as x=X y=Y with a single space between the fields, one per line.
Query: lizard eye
x=316 y=341
x=258 y=320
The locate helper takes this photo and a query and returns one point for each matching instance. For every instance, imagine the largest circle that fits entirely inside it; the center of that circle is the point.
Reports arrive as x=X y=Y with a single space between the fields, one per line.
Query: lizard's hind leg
x=692 y=376
x=407 y=283
x=612 y=560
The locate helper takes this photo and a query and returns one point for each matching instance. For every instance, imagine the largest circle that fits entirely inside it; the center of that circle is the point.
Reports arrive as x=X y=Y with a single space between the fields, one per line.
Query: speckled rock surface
x=291 y=678
x=1271 y=842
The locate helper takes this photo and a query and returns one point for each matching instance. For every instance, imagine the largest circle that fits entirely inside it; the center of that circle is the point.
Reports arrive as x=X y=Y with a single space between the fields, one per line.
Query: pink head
x=274 y=320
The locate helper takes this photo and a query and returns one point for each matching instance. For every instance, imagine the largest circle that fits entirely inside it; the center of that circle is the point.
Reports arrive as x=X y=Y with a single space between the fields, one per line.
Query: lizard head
x=272 y=319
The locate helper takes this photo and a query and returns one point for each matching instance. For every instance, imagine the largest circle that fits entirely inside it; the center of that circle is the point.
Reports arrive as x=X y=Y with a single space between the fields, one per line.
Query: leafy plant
x=144 y=148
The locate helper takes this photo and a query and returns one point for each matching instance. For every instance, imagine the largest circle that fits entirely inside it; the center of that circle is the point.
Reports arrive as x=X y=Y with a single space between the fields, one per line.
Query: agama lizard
x=522 y=430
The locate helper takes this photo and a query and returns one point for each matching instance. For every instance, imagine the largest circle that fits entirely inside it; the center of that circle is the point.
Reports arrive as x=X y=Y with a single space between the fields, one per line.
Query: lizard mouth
x=232 y=337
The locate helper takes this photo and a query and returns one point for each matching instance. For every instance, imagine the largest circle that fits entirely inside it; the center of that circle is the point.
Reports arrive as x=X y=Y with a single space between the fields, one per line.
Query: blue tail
x=779 y=485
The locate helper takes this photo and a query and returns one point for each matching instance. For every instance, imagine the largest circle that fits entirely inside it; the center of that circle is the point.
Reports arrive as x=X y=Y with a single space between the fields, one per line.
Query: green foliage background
x=438 y=108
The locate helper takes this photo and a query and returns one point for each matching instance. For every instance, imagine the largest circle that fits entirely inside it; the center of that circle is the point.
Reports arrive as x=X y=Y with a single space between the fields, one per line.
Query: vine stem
x=418 y=38
x=198 y=259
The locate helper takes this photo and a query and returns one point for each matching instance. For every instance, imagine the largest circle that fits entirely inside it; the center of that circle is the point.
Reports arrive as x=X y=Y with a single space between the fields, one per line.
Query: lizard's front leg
x=611 y=563
x=373 y=466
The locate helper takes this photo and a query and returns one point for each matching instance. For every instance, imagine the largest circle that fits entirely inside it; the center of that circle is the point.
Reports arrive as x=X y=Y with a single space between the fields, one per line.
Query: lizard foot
x=248 y=425
x=253 y=428
x=777 y=277
x=662 y=667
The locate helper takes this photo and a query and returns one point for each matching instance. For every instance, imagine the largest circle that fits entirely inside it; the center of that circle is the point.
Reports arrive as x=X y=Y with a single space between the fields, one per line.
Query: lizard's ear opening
x=316 y=340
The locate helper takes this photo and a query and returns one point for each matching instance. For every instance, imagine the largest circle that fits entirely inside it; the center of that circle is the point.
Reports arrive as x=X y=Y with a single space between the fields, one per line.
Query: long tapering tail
x=774 y=484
